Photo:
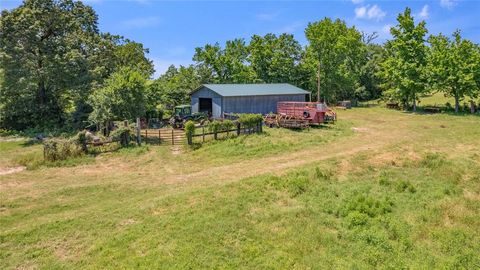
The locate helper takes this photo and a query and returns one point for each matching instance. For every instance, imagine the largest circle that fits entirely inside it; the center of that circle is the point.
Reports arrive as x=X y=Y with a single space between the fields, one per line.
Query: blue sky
x=172 y=29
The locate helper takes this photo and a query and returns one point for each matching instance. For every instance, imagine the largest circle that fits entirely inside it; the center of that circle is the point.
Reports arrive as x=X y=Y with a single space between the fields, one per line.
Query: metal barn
x=218 y=99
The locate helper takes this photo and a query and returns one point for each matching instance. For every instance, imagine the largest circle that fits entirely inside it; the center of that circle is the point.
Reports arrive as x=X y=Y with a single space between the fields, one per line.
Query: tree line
x=58 y=69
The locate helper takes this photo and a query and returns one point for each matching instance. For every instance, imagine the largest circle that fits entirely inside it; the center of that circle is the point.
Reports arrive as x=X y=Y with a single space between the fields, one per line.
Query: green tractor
x=183 y=113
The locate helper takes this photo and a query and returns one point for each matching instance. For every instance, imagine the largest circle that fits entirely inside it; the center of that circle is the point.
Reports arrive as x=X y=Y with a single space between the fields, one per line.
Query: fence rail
x=204 y=133
x=163 y=136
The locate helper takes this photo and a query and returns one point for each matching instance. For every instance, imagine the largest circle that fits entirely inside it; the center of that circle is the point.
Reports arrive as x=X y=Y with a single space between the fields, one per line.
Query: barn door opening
x=205 y=105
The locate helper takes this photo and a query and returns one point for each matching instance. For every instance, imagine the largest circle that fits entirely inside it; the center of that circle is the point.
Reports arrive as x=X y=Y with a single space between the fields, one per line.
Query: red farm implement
x=300 y=115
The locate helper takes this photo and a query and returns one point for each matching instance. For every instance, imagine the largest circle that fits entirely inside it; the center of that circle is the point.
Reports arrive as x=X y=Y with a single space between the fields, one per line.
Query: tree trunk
x=472 y=106
x=414 y=102
x=318 y=83
x=457 y=103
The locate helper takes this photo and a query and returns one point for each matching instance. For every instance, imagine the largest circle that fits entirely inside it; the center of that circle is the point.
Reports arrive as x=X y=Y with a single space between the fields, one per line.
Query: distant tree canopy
x=338 y=52
x=121 y=97
x=57 y=69
x=53 y=57
x=453 y=67
x=404 y=68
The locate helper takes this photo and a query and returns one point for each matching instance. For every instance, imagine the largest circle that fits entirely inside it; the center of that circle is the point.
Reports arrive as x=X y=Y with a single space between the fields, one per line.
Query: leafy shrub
x=189 y=130
x=215 y=126
x=403 y=185
x=228 y=124
x=61 y=149
x=356 y=218
x=122 y=135
x=366 y=205
x=250 y=120
x=81 y=139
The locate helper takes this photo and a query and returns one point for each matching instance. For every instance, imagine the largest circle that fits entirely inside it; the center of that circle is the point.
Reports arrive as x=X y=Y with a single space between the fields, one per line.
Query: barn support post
x=138 y=130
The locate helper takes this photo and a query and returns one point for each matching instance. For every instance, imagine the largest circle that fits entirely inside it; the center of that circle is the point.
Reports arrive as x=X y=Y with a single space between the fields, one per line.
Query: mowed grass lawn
x=381 y=189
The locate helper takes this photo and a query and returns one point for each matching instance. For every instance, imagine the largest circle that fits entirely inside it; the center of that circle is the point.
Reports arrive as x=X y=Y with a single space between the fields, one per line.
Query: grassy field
x=380 y=189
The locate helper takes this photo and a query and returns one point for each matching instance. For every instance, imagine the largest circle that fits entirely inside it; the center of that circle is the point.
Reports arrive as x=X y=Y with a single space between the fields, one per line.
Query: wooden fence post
x=159 y=137
x=203 y=133
x=238 y=129
x=139 y=138
x=189 y=139
x=173 y=139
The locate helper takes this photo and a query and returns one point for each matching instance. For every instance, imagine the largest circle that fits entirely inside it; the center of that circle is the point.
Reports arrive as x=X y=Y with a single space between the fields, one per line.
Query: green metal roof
x=265 y=89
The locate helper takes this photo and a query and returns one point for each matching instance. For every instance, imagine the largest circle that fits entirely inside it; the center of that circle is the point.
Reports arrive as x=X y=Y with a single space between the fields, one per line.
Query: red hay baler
x=300 y=114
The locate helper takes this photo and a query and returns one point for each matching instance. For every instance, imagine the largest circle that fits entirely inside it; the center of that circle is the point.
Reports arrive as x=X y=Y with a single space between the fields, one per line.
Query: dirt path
x=10 y=170
x=181 y=172
x=367 y=140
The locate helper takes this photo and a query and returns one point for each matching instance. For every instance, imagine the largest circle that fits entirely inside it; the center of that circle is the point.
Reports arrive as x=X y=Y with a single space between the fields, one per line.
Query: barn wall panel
x=257 y=104
x=207 y=93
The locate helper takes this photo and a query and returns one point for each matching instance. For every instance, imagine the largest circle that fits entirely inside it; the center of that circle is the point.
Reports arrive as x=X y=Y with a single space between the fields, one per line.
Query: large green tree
x=335 y=53
x=275 y=59
x=406 y=59
x=173 y=87
x=122 y=97
x=369 y=79
x=453 y=65
x=44 y=51
x=224 y=65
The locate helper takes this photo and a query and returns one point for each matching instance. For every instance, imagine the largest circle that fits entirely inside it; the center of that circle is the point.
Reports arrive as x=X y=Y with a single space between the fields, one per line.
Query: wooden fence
x=203 y=132
x=166 y=136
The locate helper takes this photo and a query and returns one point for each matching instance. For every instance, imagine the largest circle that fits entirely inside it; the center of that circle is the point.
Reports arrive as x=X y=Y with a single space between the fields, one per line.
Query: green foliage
x=452 y=67
x=356 y=218
x=189 y=128
x=52 y=57
x=215 y=126
x=44 y=49
x=224 y=65
x=404 y=68
x=61 y=149
x=172 y=88
x=275 y=59
x=122 y=135
x=404 y=185
x=366 y=205
x=337 y=51
x=250 y=120
x=122 y=97
x=228 y=124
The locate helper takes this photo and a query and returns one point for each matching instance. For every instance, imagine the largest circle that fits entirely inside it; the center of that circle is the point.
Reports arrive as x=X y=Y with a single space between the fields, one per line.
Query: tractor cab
x=183 y=111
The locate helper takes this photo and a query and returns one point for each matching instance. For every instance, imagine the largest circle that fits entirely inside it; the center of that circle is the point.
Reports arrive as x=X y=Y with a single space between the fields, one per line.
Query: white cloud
x=448 y=3
x=367 y=12
x=424 y=12
x=141 y=22
x=375 y=12
x=357 y=1
x=267 y=16
x=386 y=28
x=360 y=12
